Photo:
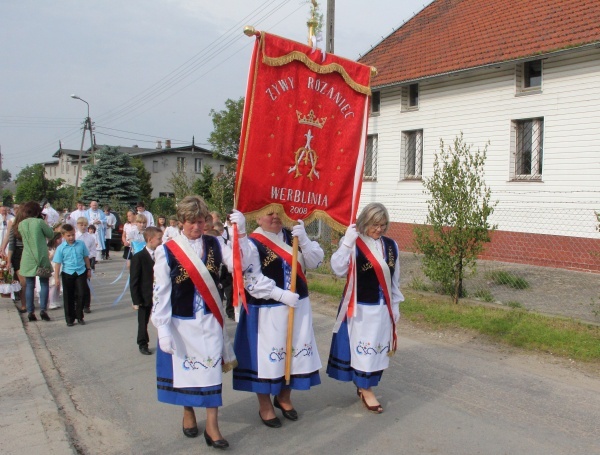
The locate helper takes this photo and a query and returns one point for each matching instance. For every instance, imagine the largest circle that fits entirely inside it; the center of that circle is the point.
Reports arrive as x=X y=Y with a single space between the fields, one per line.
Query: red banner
x=303 y=134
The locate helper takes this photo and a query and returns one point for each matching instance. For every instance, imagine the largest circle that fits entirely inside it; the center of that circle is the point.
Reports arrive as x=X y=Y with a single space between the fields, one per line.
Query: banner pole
x=290 y=327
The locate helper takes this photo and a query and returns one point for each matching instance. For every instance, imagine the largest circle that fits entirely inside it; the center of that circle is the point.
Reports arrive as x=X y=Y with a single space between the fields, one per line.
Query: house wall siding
x=482 y=104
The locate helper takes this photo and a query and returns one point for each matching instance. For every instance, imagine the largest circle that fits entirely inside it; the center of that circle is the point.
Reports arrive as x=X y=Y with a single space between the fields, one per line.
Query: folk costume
x=188 y=308
x=260 y=340
x=362 y=343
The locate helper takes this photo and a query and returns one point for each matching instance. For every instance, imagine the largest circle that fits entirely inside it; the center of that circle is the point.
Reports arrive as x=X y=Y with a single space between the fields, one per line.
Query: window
x=412 y=147
x=155 y=166
x=371 y=158
x=375 y=102
x=198 y=165
x=529 y=77
x=162 y=194
x=180 y=164
x=410 y=97
x=528 y=151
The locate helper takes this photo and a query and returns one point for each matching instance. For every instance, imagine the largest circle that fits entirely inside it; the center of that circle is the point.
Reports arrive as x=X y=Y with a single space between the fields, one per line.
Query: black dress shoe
x=291 y=414
x=81 y=321
x=144 y=350
x=220 y=444
x=87 y=309
x=70 y=324
x=271 y=423
x=22 y=310
x=190 y=432
x=31 y=317
x=44 y=316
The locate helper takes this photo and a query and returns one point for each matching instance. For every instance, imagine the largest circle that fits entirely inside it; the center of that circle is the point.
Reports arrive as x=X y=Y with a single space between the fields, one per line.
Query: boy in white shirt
x=90 y=242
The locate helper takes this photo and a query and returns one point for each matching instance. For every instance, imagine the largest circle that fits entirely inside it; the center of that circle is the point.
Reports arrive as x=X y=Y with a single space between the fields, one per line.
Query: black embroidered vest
x=182 y=287
x=366 y=279
x=272 y=266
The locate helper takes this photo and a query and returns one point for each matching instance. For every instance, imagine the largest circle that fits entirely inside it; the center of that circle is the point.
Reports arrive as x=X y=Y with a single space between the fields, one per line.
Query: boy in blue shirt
x=73 y=255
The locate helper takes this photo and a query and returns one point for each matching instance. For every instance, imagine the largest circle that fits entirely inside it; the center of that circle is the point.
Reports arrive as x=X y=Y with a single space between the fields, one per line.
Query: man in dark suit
x=142 y=282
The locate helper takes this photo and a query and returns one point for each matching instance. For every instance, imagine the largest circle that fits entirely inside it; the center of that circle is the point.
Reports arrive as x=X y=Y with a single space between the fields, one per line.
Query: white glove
x=350 y=236
x=396 y=312
x=288 y=297
x=299 y=231
x=238 y=218
x=167 y=344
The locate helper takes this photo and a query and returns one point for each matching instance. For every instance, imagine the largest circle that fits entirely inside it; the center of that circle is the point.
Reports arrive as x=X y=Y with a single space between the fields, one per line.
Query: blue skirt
x=245 y=375
x=339 y=367
x=203 y=397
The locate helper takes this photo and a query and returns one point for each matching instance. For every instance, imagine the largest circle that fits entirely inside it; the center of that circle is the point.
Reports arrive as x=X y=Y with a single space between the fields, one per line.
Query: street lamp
x=88 y=126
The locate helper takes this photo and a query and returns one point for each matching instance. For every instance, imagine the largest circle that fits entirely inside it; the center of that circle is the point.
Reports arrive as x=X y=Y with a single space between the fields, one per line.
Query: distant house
x=160 y=162
x=521 y=74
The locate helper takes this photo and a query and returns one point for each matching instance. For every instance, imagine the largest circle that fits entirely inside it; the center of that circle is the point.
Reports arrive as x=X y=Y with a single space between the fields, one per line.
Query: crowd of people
x=181 y=280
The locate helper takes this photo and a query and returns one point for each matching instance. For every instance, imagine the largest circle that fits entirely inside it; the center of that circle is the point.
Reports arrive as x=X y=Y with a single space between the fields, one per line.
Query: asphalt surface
x=88 y=390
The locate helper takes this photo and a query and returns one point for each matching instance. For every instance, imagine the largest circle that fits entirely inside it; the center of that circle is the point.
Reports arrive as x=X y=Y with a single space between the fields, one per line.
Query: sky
x=149 y=69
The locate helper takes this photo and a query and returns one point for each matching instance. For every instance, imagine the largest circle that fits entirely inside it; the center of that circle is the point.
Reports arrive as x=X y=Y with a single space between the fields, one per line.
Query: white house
x=160 y=162
x=523 y=75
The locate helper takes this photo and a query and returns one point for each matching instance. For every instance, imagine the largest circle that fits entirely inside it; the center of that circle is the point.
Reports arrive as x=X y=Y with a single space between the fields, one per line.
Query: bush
x=508 y=279
x=163 y=206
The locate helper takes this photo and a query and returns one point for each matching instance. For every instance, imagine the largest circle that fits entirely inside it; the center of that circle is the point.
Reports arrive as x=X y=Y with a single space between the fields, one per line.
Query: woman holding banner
x=194 y=348
x=260 y=340
x=365 y=335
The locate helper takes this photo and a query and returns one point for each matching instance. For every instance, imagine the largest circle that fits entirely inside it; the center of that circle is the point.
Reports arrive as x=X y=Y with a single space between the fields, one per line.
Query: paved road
x=439 y=398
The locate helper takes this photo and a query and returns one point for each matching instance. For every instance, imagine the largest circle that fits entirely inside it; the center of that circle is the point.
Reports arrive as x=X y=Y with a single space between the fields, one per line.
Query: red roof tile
x=452 y=35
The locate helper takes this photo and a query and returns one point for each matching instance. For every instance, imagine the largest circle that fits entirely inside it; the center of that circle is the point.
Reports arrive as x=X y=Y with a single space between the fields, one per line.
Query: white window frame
x=412 y=147
x=522 y=84
x=375 y=102
x=155 y=166
x=533 y=146
x=406 y=102
x=197 y=165
x=181 y=164
x=370 y=168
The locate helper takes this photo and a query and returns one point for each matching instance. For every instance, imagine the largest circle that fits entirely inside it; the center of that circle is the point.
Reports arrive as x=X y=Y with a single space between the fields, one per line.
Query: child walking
x=90 y=242
x=142 y=283
x=172 y=230
x=73 y=257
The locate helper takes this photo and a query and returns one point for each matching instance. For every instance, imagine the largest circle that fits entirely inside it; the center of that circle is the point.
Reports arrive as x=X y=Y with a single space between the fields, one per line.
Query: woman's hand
x=350 y=236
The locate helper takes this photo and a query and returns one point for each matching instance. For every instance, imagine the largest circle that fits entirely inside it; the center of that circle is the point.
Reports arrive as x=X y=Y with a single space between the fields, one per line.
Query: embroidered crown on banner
x=311 y=119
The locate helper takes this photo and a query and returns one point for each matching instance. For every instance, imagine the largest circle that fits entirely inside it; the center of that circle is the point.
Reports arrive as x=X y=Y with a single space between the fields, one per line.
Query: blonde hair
x=82 y=219
x=191 y=208
x=373 y=213
x=139 y=218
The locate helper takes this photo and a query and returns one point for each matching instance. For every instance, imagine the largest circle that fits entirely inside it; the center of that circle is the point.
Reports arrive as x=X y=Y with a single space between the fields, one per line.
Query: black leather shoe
x=44 y=316
x=87 y=309
x=291 y=414
x=70 y=324
x=190 y=432
x=31 y=317
x=144 y=350
x=220 y=444
x=81 y=321
x=22 y=310
x=271 y=423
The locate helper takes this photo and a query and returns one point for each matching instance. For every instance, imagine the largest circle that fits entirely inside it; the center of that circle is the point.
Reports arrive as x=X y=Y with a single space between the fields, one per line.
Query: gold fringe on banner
x=319 y=69
x=288 y=221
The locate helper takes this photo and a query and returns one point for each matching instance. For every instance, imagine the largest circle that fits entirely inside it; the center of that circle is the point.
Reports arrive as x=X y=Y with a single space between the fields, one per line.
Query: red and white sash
x=281 y=249
x=198 y=273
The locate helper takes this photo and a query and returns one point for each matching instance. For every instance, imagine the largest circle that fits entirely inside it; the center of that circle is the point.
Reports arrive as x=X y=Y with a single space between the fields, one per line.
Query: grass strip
x=512 y=327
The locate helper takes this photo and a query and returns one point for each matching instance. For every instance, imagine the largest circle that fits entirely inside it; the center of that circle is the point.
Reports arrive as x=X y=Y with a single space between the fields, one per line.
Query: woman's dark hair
x=30 y=209
x=52 y=241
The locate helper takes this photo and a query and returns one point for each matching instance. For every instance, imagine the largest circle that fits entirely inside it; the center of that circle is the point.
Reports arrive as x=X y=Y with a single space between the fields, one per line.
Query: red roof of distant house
x=452 y=35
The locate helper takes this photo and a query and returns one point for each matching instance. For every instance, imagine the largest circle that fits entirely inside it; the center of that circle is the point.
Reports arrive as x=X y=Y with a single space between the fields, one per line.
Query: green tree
x=144 y=180
x=32 y=184
x=457 y=223
x=163 y=206
x=181 y=184
x=110 y=179
x=5 y=176
x=7 y=197
x=221 y=189
x=203 y=183
x=227 y=126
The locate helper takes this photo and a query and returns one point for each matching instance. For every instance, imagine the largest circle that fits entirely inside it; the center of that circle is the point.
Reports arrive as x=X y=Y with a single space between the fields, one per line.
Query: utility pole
x=330 y=33
x=87 y=126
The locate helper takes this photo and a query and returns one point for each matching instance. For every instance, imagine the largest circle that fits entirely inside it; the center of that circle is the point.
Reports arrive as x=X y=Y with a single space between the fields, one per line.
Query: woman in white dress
x=260 y=339
x=193 y=345
x=364 y=336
